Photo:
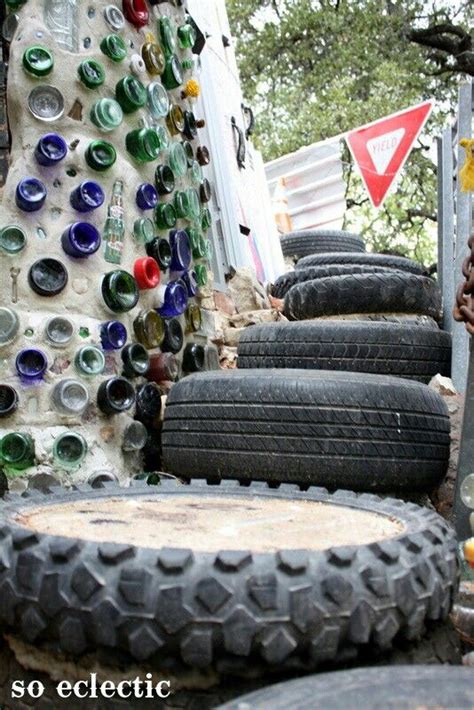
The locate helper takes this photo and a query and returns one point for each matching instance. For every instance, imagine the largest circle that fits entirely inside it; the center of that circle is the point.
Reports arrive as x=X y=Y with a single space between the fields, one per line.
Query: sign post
x=381 y=148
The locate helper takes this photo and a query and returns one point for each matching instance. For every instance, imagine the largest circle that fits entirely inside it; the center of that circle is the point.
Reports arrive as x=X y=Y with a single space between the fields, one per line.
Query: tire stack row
x=336 y=397
x=228 y=587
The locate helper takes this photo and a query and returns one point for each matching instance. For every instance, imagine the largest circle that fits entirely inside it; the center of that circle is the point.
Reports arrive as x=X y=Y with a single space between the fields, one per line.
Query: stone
x=207 y=303
x=442 y=385
x=232 y=336
x=241 y=320
x=228 y=357
x=224 y=303
x=246 y=291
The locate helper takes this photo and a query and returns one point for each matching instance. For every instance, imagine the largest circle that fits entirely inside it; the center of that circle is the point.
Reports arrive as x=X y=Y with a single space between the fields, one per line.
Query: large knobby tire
x=440 y=644
x=383 y=348
x=405 y=687
x=386 y=292
x=92 y=572
x=386 y=260
x=283 y=283
x=315 y=241
x=311 y=427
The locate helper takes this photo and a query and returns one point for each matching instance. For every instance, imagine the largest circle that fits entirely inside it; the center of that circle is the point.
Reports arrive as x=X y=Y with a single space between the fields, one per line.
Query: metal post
x=446 y=225
x=466 y=453
x=463 y=229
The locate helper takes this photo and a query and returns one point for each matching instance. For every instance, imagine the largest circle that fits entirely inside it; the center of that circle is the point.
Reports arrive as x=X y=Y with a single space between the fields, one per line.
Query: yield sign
x=381 y=148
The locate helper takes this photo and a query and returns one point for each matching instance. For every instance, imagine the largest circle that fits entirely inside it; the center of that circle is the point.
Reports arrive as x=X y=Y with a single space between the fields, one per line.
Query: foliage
x=313 y=69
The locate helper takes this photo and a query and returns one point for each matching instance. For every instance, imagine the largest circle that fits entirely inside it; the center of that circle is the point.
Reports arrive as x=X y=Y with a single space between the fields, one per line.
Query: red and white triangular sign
x=381 y=148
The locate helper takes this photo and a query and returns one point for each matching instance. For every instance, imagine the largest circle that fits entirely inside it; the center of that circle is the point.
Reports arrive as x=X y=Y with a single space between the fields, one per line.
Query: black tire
x=310 y=427
x=407 y=687
x=283 y=283
x=313 y=241
x=386 y=260
x=381 y=348
x=234 y=610
x=389 y=292
x=400 y=318
x=440 y=645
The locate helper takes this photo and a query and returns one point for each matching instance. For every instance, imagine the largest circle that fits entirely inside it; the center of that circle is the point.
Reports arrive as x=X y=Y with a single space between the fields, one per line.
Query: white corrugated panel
x=313 y=184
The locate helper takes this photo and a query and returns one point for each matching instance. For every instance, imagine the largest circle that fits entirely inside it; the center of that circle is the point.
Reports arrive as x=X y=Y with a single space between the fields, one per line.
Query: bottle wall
x=62 y=27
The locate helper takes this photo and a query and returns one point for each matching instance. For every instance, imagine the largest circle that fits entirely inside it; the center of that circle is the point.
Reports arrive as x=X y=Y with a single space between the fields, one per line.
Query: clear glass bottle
x=61 y=18
x=114 y=230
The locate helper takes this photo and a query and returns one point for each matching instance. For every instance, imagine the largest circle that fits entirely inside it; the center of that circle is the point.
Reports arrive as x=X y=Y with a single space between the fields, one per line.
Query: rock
x=241 y=320
x=224 y=303
x=207 y=303
x=443 y=385
x=246 y=291
x=228 y=357
x=207 y=291
x=213 y=325
x=276 y=303
x=232 y=336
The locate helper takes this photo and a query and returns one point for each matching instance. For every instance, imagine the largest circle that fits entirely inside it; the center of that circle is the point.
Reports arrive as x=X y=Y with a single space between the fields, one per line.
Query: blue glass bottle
x=31 y=364
x=190 y=280
x=180 y=251
x=87 y=196
x=50 y=149
x=147 y=196
x=174 y=299
x=113 y=335
x=30 y=194
x=80 y=240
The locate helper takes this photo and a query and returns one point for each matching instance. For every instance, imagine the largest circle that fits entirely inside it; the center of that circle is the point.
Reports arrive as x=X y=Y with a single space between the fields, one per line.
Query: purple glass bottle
x=50 y=149
x=31 y=364
x=113 y=335
x=30 y=194
x=87 y=196
x=80 y=240
x=174 y=299
x=180 y=251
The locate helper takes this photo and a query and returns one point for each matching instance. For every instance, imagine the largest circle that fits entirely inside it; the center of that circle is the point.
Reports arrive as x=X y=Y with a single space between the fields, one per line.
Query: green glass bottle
x=38 y=61
x=186 y=36
x=198 y=244
x=164 y=180
x=17 y=451
x=149 y=329
x=130 y=94
x=143 y=144
x=114 y=230
x=106 y=114
x=91 y=73
x=69 y=450
x=181 y=204
x=100 y=155
x=90 y=361
x=201 y=274
x=195 y=172
x=194 y=204
x=167 y=35
x=206 y=219
x=120 y=291
x=165 y=216
x=172 y=76
x=177 y=160
x=143 y=230
x=114 y=47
